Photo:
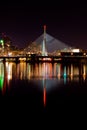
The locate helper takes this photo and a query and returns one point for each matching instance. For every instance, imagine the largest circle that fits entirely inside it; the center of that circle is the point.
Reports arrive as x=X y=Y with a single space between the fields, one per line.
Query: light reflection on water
x=47 y=75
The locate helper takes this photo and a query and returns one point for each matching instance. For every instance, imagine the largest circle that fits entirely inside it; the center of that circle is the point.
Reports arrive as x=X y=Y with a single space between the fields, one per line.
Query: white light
x=75 y=50
x=9 y=54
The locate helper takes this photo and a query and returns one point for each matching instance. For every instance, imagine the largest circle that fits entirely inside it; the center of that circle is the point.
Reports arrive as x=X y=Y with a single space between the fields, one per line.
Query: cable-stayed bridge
x=46 y=44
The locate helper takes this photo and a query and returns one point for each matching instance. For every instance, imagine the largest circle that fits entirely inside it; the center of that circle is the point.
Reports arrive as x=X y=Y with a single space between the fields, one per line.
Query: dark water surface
x=41 y=88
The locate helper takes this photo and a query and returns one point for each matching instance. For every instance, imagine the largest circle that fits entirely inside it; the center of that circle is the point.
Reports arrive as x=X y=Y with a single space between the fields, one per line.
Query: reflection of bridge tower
x=44 y=92
x=44 y=50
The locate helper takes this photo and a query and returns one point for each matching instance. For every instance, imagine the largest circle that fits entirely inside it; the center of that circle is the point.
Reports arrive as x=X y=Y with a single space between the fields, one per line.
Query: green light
x=1 y=82
x=1 y=75
x=2 y=42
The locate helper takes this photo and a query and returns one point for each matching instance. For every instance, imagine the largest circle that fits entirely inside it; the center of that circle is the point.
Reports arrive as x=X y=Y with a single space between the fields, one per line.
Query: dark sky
x=23 y=22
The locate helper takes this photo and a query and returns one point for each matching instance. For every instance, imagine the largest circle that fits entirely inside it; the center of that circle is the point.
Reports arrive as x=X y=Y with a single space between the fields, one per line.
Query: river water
x=43 y=87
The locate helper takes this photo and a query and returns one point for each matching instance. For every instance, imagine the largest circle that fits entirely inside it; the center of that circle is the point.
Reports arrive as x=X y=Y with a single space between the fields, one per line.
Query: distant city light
x=9 y=54
x=76 y=50
x=1 y=41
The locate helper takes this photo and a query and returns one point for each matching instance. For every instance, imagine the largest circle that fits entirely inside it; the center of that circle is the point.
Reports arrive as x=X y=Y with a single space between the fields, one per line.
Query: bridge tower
x=44 y=50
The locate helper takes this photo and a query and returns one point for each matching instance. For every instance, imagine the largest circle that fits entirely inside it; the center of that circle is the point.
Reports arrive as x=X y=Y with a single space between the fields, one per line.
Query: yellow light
x=59 y=54
x=84 y=54
x=71 y=53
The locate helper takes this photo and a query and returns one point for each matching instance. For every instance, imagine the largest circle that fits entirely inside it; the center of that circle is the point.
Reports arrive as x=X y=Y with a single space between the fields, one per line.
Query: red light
x=44 y=96
x=44 y=27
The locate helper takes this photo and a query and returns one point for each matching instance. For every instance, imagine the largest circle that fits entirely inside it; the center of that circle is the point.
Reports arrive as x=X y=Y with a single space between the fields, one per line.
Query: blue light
x=65 y=72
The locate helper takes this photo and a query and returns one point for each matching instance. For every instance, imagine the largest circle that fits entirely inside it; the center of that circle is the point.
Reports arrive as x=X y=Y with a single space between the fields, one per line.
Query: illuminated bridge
x=46 y=49
x=46 y=44
x=35 y=58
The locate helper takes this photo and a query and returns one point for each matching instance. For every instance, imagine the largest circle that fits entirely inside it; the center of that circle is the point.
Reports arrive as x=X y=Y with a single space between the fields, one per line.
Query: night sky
x=23 y=22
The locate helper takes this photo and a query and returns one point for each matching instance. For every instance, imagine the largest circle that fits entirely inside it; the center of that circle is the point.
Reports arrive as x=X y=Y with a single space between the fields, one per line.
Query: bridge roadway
x=36 y=58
